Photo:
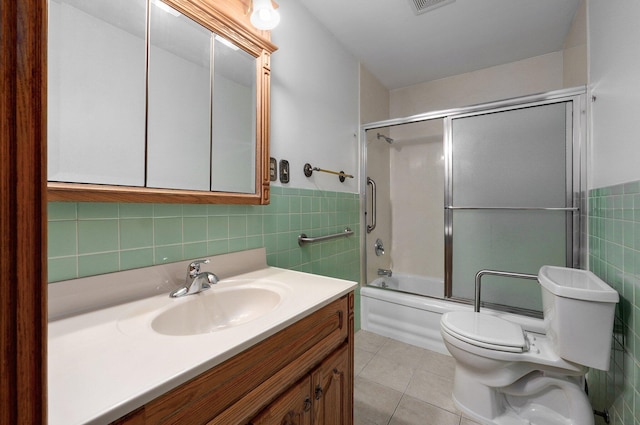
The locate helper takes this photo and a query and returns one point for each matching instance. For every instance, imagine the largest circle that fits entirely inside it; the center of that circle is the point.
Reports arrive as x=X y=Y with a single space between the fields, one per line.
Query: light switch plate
x=284 y=171
x=273 y=169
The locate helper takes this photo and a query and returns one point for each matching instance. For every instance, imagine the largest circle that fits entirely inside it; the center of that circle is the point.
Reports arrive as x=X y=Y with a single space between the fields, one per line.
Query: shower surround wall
x=417 y=198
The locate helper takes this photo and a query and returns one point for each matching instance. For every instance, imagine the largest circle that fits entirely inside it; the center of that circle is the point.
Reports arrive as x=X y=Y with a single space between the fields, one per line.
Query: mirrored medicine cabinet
x=157 y=101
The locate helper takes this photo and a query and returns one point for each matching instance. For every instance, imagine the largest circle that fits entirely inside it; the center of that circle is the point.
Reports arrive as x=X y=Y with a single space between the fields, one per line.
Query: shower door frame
x=575 y=95
x=573 y=189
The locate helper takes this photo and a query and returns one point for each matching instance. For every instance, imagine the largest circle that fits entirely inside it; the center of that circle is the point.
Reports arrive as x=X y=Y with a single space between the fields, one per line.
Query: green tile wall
x=93 y=238
x=614 y=255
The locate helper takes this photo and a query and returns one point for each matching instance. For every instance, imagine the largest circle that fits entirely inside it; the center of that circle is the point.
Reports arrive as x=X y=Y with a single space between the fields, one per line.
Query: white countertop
x=108 y=362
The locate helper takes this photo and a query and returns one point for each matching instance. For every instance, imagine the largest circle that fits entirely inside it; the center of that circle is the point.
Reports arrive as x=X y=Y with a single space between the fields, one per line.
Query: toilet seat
x=485 y=331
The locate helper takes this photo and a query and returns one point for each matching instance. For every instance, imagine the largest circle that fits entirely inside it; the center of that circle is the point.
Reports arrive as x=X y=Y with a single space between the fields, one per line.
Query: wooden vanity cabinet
x=331 y=393
x=321 y=398
x=301 y=375
x=291 y=408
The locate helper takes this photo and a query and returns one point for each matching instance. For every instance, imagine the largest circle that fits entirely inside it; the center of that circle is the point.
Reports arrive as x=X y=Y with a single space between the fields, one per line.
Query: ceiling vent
x=422 y=6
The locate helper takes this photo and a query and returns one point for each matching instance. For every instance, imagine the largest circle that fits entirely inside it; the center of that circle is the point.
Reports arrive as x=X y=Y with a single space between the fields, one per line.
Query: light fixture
x=264 y=16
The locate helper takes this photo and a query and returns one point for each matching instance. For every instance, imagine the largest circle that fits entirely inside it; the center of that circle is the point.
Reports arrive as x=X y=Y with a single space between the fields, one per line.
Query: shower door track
x=443 y=113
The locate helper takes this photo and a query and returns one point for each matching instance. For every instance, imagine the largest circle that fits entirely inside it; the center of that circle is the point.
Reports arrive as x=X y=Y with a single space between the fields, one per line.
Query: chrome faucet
x=385 y=272
x=195 y=281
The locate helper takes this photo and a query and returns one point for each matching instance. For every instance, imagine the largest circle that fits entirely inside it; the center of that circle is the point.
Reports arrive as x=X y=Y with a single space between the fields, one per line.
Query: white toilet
x=508 y=376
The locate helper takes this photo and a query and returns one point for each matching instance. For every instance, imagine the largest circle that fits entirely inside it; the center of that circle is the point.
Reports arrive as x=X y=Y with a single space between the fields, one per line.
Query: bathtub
x=386 y=309
x=413 y=284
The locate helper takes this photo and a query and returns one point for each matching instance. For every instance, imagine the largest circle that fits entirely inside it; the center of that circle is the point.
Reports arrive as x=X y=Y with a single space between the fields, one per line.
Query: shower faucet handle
x=379 y=247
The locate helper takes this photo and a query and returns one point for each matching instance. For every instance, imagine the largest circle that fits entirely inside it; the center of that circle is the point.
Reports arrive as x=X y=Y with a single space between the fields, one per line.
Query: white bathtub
x=415 y=319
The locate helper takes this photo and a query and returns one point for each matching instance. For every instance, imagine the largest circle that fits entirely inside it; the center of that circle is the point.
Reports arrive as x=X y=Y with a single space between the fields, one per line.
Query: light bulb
x=264 y=16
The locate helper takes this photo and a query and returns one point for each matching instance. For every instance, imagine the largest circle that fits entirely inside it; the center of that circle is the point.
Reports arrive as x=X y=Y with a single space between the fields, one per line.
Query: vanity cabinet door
x=291 y=408
x=321 y=398
x=331 y=398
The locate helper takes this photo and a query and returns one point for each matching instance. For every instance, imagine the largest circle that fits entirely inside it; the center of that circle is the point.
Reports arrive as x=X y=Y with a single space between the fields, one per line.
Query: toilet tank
x=578 y=310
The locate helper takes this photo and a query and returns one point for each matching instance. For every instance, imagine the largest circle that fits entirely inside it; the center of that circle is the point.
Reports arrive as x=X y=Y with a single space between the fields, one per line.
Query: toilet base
x=535 y=399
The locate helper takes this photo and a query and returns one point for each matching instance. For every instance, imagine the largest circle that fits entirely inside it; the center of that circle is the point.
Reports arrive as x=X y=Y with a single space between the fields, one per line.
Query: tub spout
x=385 y=272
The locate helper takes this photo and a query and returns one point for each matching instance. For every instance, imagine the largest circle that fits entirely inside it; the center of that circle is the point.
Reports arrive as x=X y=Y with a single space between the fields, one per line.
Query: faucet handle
x=194 y=266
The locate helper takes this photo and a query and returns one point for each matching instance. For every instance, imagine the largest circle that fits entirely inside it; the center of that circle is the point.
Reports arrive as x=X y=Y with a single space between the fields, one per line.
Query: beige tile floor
x=401 y=384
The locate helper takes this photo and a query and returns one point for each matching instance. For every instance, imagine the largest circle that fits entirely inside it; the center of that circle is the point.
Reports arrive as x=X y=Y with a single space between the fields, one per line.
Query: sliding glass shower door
x=509 y=200
x=510 y=178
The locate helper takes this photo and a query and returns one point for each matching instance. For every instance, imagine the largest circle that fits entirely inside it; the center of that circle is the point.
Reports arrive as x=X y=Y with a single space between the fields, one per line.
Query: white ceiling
x=402 y=49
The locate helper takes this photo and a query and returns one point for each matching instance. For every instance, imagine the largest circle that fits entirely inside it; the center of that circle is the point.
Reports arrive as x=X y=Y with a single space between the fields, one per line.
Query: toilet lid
x=484 y=330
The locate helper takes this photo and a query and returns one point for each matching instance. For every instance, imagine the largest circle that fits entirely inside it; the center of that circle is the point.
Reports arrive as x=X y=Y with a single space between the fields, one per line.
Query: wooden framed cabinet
x=302 y=375
x=160 y=101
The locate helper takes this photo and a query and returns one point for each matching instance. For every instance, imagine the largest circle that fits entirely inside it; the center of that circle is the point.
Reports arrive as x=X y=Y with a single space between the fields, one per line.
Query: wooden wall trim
x=23 y=319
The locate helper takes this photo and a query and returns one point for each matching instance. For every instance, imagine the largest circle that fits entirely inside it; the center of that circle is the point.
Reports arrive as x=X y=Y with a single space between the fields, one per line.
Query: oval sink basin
x=215 y=309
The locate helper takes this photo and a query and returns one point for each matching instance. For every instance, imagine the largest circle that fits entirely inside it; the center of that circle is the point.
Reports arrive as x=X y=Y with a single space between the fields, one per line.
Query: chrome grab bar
x=476 y=302
x=372 y=226
x=450 y=207
x=303 y=239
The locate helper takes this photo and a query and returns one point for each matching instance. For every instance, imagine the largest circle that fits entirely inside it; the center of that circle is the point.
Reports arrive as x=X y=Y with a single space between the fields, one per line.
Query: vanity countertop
x=101 y=367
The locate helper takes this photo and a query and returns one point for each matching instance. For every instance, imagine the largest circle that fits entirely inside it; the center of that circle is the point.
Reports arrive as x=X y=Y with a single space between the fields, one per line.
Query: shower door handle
x=372 y=226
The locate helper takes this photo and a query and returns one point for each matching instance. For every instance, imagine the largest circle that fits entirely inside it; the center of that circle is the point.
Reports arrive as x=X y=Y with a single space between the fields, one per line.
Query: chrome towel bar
x=308 y=171
x=303 y=239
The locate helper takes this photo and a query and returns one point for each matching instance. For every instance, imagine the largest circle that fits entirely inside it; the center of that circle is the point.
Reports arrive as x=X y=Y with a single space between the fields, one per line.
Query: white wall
x=528 y=76
x=614 y=78
x=314 y=101
x=574 y=53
